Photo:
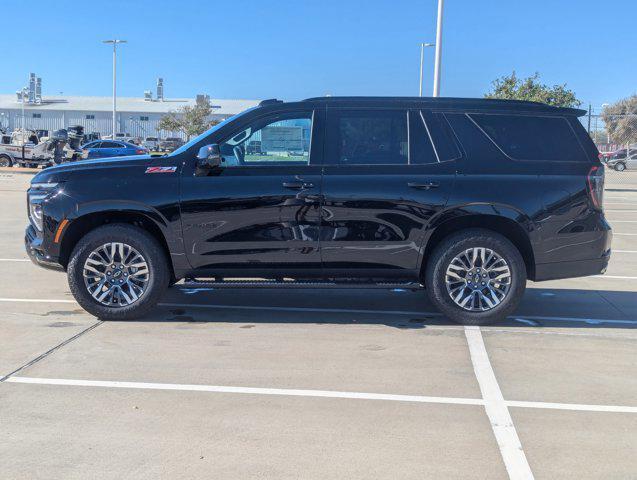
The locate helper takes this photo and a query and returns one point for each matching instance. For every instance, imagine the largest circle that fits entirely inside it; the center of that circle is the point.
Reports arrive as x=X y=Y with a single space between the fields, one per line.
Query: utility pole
x=114 y=42
x=422 y=59
x=437 y=64
x=590 y=111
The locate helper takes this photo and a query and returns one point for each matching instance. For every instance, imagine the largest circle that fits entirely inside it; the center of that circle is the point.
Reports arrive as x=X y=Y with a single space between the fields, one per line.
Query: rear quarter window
x=532 y=138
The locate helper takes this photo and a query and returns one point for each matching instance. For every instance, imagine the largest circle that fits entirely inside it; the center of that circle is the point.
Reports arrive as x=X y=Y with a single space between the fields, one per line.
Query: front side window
x=367 y=137
x=532 y=138
x=279 y=140
x=109 y=145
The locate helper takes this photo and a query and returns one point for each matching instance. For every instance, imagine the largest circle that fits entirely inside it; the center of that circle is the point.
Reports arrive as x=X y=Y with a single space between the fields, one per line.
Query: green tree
x=190 y=120
x=620 y=119
x=511 y=87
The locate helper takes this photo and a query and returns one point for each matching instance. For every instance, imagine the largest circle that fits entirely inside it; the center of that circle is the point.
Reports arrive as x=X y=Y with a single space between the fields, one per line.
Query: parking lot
x=319 y=384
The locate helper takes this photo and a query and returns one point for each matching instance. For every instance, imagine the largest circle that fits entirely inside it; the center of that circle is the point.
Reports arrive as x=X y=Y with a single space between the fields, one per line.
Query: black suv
x=467 y=198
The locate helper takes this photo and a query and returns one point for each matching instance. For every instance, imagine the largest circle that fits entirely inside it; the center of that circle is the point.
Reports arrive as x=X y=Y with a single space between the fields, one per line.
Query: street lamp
x=114 y=42
x=422 y=57
x=438 y=61
x=24 y=94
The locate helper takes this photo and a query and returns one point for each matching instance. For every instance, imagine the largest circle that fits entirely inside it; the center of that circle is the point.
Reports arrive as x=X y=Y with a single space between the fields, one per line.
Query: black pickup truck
x=465 y=198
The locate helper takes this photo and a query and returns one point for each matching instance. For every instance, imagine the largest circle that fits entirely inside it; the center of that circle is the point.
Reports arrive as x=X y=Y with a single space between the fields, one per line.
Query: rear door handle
x=423 y=186
x=298 y=185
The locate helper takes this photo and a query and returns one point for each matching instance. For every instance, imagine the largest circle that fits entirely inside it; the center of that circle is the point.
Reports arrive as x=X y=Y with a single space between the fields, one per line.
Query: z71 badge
x=161 y=170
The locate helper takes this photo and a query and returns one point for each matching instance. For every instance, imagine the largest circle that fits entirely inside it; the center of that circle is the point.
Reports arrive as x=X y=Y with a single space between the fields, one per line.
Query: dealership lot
x=319 y=384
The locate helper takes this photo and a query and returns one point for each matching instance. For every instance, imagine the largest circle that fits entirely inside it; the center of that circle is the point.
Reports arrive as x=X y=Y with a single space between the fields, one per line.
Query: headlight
x=37 y=195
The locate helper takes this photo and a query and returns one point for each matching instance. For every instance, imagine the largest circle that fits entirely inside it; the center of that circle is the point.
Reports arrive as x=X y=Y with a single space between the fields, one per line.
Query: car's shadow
x=556 y=308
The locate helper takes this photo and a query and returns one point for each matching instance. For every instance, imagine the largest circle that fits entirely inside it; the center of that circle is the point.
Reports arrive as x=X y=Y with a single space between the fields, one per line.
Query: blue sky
x=296 y=49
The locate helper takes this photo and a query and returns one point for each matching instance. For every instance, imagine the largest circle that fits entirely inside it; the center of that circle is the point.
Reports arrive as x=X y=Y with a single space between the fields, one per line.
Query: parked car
x=151 y=143
x=170 y=144
x=111 y=148
x=467 y=199
x=623 y=159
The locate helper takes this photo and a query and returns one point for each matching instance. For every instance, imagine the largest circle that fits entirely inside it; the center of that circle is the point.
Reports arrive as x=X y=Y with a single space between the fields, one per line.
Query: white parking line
x=573 y=406
x=14 y=260
x=314 y=393
x=619 y=210
x=248 y=390
x=624 y=251
x=616 y=277
x=501 y=422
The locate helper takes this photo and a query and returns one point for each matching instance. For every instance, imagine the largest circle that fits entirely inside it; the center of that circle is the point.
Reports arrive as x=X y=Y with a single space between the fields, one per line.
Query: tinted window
x=110 y=145
x=421 y=149
x=367 y=137
x=444 y=140
x=278 y=140
x=93 y=145
x=524 y=137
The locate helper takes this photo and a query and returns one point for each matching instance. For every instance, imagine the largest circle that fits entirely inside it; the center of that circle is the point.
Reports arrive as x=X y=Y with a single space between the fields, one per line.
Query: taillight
x=140 y=152
x=595 y=180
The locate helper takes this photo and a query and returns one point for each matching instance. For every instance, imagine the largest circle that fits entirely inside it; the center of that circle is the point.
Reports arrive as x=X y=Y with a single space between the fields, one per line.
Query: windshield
x=198 y=138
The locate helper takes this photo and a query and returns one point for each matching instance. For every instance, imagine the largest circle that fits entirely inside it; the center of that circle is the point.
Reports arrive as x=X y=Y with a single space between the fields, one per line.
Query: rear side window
x=532 y=138
x=367 y=137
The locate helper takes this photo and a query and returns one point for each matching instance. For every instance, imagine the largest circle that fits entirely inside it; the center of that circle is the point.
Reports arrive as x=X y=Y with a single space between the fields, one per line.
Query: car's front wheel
x=620 y=167
x=118 y=272
x=476 y=277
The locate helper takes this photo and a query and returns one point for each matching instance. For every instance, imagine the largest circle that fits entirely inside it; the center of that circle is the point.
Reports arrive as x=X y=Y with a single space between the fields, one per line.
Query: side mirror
x=209 y=156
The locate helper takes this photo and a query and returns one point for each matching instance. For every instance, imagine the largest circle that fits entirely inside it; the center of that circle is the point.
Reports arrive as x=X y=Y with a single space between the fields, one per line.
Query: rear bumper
x=33 y=246
x=580 y=268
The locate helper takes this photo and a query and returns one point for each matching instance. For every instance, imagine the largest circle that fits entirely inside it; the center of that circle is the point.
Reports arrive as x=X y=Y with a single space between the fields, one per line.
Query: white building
x=136 y=116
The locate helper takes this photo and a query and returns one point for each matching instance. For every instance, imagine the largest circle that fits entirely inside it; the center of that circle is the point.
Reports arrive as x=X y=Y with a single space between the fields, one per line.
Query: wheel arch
x=80 y=226
x=516 y=232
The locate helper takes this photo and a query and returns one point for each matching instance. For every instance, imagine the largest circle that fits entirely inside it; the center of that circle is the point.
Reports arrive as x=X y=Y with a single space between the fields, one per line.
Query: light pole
x=422 y=58
x=437 y=64
x=114 y=42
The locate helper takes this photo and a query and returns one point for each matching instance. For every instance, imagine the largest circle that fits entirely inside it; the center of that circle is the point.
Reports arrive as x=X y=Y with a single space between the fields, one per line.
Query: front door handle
x=423 y=186
x=298 y=185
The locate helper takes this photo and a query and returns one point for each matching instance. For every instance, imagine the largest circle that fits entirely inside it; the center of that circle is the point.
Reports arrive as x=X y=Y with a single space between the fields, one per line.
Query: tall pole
x=114 y=88
x=422 y=58
x=437 y=65
x=422 y=61
x=115 y=42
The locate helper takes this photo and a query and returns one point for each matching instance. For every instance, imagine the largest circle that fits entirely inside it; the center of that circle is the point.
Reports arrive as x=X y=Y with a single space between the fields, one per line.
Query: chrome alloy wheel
x=115 y=274
x=478 y=279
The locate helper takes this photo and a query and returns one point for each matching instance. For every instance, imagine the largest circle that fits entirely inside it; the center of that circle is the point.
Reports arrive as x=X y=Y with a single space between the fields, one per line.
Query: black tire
x=455 y=244
x=5 y=161
x=620 y=167
x=140 y=240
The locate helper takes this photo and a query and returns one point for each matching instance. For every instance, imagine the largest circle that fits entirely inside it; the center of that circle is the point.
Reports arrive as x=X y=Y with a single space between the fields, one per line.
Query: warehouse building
x=138 y=117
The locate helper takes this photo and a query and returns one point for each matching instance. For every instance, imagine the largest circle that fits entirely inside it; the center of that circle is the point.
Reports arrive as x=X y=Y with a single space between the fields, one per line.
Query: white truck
x=26 y=149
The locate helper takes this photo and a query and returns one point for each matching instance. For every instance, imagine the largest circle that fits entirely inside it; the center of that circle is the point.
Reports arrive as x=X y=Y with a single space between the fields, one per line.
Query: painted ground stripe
x=248 y=390
x=14 y=260
x=619 y=210
x=315 y=393
x=337 y=310
x=501 y=422
x=573 y=406
x=624 y=251
x=616 y=277
x=625 y=234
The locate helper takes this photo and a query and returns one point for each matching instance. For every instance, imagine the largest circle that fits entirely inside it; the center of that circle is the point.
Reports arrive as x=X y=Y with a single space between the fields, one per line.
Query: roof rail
x=269 y=101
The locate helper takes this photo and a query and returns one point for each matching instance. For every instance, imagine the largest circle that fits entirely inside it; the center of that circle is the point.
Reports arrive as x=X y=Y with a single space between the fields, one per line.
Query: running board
x=252 y=283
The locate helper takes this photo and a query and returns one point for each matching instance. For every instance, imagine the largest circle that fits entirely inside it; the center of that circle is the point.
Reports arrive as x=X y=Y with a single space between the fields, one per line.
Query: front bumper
x=33 y=246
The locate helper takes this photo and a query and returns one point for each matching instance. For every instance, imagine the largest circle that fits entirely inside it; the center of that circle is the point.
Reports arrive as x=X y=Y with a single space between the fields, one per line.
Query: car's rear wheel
x=5 y=161
x=476 y=277
x=620 y=167
x=118 y=272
